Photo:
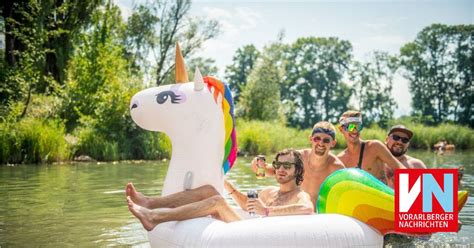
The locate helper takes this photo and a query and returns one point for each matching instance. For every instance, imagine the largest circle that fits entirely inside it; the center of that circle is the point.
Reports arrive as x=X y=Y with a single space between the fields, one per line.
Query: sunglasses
x=397 y=138
x=352 y=126
x=286 y=165
x=317 y=139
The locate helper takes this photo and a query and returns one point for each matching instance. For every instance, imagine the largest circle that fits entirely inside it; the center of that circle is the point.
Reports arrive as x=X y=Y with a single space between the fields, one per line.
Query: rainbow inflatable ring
x=358 y=194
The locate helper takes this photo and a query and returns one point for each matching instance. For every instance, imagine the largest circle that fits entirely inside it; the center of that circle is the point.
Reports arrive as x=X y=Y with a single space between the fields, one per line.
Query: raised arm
x=385 y=155
x=269 y=171
x=238 y=197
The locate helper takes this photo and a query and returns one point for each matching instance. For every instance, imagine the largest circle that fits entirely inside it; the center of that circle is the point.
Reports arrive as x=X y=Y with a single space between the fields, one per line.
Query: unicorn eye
x=162 y=97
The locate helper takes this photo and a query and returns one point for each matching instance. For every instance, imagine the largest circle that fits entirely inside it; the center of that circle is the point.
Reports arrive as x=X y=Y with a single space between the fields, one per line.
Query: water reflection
x=84 y=205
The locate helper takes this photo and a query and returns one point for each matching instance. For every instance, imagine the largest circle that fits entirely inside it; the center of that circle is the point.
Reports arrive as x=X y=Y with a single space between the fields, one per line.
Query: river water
x=83 y=204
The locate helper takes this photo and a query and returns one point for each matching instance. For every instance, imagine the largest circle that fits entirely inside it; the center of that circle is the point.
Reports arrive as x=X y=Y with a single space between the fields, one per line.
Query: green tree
x=58 y=21
x=260 y=97
x=439 y=66
x=140 y=37
x=242 y=64
x=462 y=37
x=313 y=82
x=38 y=44
x=157 y=25
x=97 y=64
x=373 y=82
x=99 y=88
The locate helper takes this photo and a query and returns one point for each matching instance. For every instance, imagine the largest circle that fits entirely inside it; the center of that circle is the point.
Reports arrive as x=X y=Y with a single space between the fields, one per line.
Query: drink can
x=252 y=194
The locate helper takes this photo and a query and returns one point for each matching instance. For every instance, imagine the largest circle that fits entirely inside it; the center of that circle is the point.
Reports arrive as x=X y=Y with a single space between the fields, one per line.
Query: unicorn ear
x=198 y=80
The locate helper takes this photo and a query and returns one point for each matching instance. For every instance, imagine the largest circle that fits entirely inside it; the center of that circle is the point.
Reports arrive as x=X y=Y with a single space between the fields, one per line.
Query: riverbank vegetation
x=257 y=137
x=68 y=70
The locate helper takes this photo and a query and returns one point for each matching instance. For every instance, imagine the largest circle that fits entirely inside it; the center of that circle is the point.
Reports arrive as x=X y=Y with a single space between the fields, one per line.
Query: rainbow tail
x=358 y=194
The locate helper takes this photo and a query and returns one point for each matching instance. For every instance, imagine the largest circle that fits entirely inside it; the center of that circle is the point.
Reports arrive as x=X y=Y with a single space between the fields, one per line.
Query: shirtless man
x=318 y=161
x=369 y=155
x=398 y=140
x=287 y=199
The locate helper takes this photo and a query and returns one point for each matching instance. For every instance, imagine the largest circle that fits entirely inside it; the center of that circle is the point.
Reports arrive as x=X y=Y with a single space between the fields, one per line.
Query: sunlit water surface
x=83 y=205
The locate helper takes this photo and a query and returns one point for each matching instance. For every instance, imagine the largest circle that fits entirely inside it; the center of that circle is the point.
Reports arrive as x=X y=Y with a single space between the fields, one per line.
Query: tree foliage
x=314 y=74
x=372 y=88
x=157 y=25
x=439 y=65
x=57 y=21
x=260 y=97
x=97 y=95
x=242 y=64
x=38 y=45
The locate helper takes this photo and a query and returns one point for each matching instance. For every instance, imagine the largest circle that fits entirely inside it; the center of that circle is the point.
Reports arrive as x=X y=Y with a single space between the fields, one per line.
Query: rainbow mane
x=230 y=152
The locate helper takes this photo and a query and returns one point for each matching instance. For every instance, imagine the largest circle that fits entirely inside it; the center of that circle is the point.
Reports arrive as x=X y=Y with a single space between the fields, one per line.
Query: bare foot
x=142 y=213
x=137 y=197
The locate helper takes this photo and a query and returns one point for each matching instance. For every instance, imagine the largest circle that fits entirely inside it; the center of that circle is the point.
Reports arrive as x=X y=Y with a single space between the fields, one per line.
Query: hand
x=253 y=165
x=256 y=205
x=257 y=163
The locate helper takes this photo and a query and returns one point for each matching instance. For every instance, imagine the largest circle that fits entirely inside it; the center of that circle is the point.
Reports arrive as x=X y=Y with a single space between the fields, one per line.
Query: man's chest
x=280 y=200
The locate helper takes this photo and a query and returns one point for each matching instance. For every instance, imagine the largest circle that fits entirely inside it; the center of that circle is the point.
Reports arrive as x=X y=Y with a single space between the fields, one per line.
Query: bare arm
x=335 y=163
x=302 y=206
x=385 y=155
x=417 y=164
x=269 y=170
x=238 y=197
x=341 y=156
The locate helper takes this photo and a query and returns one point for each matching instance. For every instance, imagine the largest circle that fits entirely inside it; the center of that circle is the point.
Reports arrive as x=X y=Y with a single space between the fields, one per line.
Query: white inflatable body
x=325 y=230
x=198 y=118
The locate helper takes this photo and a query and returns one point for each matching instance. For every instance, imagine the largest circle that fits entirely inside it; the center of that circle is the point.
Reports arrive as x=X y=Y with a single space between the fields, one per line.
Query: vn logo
x=426 y=200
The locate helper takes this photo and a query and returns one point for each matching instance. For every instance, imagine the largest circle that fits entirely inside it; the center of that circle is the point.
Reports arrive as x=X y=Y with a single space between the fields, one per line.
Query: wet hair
x=297 y=159
x=350 y=113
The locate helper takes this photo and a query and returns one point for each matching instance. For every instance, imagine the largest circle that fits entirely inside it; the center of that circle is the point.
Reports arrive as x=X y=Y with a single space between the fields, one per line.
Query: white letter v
x=407 y=197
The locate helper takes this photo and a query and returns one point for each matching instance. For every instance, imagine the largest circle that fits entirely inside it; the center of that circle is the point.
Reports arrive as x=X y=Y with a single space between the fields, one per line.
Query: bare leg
x=170 y=201
x=215 y=206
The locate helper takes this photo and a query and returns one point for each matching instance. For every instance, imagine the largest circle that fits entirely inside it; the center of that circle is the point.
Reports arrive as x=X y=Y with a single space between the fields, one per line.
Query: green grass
x=32 y=141
x=138 y=144
x=257 y=137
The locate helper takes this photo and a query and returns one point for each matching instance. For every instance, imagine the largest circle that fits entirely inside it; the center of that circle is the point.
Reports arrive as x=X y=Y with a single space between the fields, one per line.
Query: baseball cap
x=401 y=128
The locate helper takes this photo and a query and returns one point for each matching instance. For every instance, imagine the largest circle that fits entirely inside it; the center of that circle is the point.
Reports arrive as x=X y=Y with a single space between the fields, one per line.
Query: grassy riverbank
x=42 y=141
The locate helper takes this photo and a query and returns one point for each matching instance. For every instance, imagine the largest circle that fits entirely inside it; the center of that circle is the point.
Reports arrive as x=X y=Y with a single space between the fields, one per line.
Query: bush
x=143 y=145
x=32 y=141
x=258 y=137
x=426 y=137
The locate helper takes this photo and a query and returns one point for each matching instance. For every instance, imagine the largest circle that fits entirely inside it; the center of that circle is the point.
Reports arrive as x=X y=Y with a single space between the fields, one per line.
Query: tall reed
x=32 y=140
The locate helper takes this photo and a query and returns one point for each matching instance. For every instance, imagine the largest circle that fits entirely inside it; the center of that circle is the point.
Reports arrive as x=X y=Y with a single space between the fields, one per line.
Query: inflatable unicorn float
x=354 y=208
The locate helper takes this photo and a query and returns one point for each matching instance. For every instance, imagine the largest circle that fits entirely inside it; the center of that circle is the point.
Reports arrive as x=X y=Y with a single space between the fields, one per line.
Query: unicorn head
x=198 y=118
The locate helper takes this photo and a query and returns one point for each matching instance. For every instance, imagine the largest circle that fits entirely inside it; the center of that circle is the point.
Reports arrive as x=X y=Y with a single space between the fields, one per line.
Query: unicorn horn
x=180 y=68
x=198 y=80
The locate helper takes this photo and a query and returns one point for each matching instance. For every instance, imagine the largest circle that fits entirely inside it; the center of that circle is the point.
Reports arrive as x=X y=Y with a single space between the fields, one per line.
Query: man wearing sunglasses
x=287 y=199
x=398 y=141
x=368 y=155
x=318 y=161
